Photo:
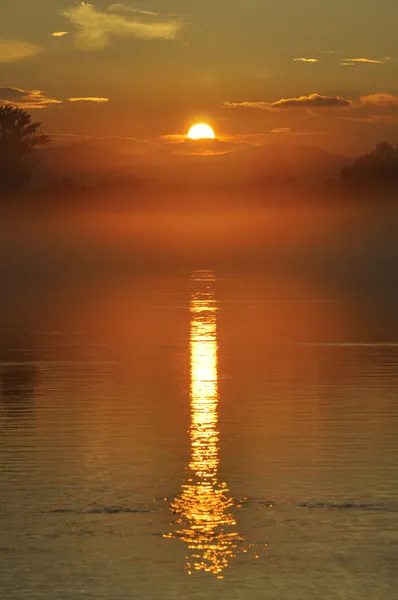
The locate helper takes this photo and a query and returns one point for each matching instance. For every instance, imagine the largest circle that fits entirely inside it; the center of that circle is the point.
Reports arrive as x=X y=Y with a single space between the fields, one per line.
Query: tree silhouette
x=19 y=136
x=377 y=169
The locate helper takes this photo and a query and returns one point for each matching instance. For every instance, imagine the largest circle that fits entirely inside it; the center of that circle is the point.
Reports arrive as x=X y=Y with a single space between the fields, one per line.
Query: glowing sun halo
x=201 y=131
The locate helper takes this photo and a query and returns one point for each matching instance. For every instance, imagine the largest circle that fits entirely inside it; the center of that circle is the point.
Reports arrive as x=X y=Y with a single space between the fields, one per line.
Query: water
x=195 y=436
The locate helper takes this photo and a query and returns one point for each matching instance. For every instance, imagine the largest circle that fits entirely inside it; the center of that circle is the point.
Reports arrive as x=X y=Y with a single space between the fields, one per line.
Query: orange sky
x=304 y=72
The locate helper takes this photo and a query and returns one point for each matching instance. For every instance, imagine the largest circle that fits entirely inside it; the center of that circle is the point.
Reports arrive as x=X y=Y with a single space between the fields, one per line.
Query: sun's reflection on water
x=205 y=522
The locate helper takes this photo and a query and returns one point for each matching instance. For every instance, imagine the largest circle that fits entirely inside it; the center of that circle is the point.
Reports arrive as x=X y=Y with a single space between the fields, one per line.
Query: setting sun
x=201 y=131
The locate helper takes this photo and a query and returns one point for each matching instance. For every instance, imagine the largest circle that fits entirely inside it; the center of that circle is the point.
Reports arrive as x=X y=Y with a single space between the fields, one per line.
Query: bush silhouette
x=19 y=136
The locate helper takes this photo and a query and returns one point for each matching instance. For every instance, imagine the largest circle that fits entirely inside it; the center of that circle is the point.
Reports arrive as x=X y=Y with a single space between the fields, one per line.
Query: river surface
x=196 y=436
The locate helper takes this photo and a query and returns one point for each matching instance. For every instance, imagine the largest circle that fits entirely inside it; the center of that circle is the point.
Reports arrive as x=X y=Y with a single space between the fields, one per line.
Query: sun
x=201 y=131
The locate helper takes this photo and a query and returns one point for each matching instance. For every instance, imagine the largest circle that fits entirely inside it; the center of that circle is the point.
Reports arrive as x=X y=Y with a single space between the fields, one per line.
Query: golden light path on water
x=204 y=521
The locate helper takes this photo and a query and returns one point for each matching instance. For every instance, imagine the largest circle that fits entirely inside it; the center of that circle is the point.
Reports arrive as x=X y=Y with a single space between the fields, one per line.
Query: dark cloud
x=311 y=101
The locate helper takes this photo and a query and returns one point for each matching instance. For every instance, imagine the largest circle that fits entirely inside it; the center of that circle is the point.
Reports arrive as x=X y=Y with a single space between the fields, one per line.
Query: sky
x=319 y=73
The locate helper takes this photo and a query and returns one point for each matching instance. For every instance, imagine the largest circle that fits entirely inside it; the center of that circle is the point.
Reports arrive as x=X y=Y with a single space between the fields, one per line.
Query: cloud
x=380 y=107
x=384 y=119
x=26 y=99
x=281 y=130
x=259 y=105
x=380 y=99
x=13 y=50
x=89 y=99
x=178 y=144
x=370 y=61
x=129 y=9
x=36 y=99
x=258 y=139
x=305 y=60
x=348 y=64
x=59 y=33
x=95 y=28
x=311 y=101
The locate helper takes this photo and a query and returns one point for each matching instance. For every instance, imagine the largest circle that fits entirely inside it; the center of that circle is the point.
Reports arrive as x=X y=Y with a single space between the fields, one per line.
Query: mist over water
x=183 y=231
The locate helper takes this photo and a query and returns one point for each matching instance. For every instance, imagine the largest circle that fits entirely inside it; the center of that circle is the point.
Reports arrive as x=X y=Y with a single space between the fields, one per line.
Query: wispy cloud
x=383 y=119
x=348 y=64
x=95 y=28
x=379 y=108
x=26 y=99
x=89 y=99
x=13 y=50
x=281 y=130
x=79 y=136
x=37 y=99
x=311 y=101
x=370 y=61
x=59 y=33
x=380 y=99
x=305 y=60
x=129 y=9
x=248 y=104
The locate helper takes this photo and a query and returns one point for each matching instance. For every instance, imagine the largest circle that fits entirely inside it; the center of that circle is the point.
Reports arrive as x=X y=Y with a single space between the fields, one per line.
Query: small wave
x=344 y=506
x=103 y=510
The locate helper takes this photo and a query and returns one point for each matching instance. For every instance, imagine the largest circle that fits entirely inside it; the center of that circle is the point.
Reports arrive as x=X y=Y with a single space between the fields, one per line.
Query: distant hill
x=206 y=161
x=245 y=162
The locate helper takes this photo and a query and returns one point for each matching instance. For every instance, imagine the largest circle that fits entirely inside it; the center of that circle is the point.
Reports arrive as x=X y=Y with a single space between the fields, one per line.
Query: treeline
x=19 y=137
x=376 y=170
